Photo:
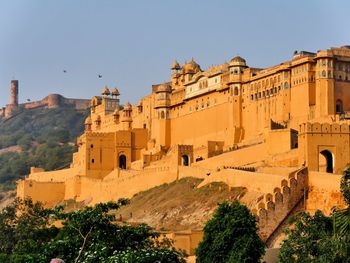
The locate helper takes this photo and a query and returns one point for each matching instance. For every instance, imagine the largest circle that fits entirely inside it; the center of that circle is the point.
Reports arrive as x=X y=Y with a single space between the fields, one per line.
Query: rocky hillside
x=178 y=205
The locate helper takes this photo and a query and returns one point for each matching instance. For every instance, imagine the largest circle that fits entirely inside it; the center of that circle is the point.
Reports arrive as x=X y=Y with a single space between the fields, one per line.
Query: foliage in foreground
x=231 y=236
x=320 y=238
x=87 y=235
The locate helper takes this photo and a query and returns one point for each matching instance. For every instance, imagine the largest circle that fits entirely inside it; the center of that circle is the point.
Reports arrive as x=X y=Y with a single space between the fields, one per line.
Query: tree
x=87 y=235
x=303 y=240
x=24 y=229
x=320 y=238
x=342 y=217
x=231 y=236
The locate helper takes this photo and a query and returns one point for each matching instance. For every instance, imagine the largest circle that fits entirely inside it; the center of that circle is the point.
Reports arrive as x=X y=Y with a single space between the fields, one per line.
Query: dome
x=127 y=106
x=115 y=92
x=191 y=67
x=175 y=65
x=105 y=91
x=238 y=61
x=88 y=121
x=116 y=112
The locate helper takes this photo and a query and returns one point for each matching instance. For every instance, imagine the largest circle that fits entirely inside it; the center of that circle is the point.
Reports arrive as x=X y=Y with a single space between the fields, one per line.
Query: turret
x=116 y=116
x=88 y=124
x=163 y=101
x=237 y=65
x=127 y=118
x=162 y=106
x=105 y=91
x=115 y=92
x=98 y=122
x=175 y=74
x=189 y=69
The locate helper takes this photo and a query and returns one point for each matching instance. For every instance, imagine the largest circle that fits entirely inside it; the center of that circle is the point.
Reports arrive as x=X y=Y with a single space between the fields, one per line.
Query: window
x=93 y=160
x=235 y=91
x=339 y=106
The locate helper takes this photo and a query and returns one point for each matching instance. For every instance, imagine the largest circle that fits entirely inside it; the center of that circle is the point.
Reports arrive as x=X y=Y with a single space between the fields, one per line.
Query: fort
x=281 y=132
x=51 y=101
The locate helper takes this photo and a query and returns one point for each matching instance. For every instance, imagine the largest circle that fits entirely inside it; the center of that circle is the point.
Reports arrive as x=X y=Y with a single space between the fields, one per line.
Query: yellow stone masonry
x=228 y=123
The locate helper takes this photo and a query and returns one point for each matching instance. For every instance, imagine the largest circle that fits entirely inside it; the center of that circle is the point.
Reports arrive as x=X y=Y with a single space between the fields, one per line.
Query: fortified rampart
x=56 y=101
x=51 y=101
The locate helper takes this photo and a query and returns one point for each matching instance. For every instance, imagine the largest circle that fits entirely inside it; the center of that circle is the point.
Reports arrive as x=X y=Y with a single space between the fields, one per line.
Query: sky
x=133 y=43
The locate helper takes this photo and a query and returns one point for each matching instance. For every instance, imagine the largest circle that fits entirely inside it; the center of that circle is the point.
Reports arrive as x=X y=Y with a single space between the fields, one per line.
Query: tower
x=126 y=117
x=13 y=105
x=325 y=83
x=236 y=68
x=14 y=93
x=162 y=106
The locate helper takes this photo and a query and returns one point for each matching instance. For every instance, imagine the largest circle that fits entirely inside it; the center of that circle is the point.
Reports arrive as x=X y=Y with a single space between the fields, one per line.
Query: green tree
x=24 y=229
x=87 y=235
x=304 y=237
x=320 y=238
x=342 y=217
x=231 y=236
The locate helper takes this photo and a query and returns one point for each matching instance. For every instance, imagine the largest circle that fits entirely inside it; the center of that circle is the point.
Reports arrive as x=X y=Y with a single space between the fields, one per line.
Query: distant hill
x=37 y=137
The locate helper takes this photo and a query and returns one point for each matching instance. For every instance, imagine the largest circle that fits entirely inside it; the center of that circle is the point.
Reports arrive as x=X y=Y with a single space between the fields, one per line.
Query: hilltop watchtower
x=13 y=105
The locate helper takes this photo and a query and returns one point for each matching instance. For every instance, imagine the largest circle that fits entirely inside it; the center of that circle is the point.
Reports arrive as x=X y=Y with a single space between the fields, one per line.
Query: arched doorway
x=325 y=161
x=185 y=160
x=339 y=106
x=122 y=161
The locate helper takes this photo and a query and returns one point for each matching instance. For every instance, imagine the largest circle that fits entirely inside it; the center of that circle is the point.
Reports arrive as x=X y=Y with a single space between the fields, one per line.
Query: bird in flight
x=28 y=100
x=64 y=71
x=99 y=76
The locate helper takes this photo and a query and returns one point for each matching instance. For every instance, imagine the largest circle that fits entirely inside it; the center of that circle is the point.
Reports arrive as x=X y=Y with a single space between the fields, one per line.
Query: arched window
x=326 y=162
x=122 y=161
x=162 y=115
x=324 y=73
x=339 y=106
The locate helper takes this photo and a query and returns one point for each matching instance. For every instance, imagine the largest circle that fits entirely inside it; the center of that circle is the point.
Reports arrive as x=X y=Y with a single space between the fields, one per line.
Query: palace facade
x=230 y=123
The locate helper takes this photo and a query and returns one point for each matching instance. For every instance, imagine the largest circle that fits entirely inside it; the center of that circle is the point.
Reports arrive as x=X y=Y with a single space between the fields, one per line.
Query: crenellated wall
x=276 y=205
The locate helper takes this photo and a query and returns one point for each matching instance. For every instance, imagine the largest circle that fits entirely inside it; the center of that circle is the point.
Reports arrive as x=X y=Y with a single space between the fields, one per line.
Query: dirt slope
x=178 y=205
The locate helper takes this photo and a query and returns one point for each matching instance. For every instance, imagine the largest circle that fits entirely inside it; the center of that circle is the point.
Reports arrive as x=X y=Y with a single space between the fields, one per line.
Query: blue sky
x=133 y=43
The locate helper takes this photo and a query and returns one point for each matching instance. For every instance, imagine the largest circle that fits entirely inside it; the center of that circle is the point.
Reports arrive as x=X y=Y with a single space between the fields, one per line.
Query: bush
x=231 y=236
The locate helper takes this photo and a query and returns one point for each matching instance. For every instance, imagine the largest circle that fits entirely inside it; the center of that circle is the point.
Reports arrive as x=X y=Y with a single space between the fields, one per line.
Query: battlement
x=50 y=101
x=274 y=207
x=324 y=128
